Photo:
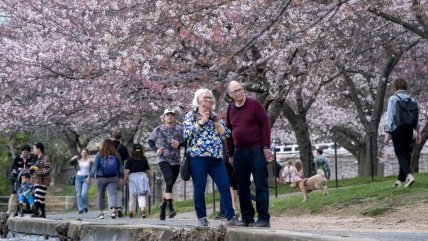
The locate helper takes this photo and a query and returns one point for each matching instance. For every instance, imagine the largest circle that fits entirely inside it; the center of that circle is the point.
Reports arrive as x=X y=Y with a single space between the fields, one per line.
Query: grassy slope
x=376 y=196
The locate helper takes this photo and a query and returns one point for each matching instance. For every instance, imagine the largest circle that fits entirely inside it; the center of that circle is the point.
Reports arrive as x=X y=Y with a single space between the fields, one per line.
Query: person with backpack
x=108 y=170
x=402 y=120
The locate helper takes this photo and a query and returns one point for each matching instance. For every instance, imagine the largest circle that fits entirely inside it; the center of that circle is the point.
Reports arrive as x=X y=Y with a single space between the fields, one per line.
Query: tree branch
x=399 y=21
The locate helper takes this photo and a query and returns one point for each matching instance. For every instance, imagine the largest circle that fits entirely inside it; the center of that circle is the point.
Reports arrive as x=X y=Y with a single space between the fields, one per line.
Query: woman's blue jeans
x=82 y=189
x=201 y=167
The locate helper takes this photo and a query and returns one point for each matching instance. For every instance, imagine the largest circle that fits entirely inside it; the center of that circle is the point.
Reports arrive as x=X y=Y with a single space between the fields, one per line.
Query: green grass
x=378 y=196
x=366 y=192
x=377 y=210
x=374 y=197
x=284 y=188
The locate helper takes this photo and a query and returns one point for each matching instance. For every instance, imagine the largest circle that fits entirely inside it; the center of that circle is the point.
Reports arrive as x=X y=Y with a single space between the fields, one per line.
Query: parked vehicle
x=328 y=148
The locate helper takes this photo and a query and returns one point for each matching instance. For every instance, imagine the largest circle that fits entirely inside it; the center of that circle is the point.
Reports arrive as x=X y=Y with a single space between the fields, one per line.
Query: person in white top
x=82 y=165
x=288 y=172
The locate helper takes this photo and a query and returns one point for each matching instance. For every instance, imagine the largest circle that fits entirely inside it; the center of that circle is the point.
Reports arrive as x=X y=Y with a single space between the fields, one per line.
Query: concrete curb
x=86 y=231
x=275 y=235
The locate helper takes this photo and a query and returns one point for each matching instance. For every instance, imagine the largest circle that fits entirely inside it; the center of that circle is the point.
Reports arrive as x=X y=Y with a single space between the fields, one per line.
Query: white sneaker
x=101 y=216
x=409 y=180
x=397 y=183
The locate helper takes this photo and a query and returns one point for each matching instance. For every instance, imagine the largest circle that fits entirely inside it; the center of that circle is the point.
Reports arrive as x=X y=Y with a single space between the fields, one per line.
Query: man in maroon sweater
x=249 y=150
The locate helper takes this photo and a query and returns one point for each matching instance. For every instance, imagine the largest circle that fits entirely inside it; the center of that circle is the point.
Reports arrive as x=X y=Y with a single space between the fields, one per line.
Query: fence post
x=335 y=161
x=126 y=198
x=149 y=204
x=213 y=195
x=154 y=187
x=185 y=190
x=66 y=202
x=371 y=154
x=274 y=171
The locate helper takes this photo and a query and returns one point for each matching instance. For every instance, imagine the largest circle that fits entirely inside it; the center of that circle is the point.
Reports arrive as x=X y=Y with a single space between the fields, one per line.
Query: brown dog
x=318 y=181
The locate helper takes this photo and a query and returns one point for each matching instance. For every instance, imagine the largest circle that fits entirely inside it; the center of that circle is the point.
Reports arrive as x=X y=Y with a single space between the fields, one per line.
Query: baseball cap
x=137 y=148
x=167 y=111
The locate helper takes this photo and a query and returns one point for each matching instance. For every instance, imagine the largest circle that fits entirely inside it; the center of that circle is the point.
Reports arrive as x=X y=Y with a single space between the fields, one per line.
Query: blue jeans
x=245 y=163
x=201 y=167
x=29 y=198
x=82 y=189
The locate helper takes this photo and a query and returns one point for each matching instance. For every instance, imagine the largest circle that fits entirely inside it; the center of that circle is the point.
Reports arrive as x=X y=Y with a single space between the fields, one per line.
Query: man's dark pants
x=245 y=162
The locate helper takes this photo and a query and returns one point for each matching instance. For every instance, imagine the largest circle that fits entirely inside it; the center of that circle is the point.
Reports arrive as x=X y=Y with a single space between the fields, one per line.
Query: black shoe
x=259 y=224
x=36 y=210
x=248 y=222
x=42 y=207
x=171 y=211
x=162 y=208
x=220 y=216
x=119 y=213
x=85 y=210
x=81 y=211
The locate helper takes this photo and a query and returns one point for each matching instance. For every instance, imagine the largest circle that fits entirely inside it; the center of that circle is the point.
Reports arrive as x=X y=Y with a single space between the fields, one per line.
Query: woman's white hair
x=198 y=94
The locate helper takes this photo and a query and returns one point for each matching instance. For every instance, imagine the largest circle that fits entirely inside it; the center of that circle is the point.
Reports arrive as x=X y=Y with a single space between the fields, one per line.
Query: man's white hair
x=198 y=94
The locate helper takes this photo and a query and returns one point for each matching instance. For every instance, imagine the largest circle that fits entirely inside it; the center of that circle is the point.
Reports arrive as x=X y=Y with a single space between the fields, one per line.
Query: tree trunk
x=304 y=142
x=352 y=141
x=301 y=130
x=368 y=166
x=416 y=150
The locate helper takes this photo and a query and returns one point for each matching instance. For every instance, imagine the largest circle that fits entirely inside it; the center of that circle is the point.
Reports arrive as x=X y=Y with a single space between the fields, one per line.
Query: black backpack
x=407 y=113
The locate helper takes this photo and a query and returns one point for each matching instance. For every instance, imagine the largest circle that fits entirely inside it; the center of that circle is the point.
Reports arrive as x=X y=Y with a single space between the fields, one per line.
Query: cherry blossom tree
x=87 y=67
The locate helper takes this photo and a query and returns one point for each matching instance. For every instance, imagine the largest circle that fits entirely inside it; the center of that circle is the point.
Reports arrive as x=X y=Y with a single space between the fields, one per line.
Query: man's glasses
x=234 y=92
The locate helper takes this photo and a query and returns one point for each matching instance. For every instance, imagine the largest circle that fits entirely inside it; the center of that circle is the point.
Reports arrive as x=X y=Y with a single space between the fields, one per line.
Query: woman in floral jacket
x=206 y=133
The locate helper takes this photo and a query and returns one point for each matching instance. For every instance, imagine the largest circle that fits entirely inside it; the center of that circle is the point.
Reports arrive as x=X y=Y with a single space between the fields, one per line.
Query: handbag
x=72 y=180
x=185 y=166
x=185 y=171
